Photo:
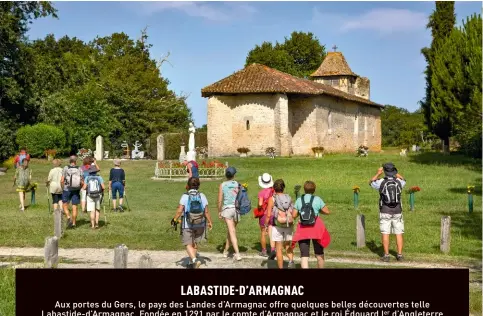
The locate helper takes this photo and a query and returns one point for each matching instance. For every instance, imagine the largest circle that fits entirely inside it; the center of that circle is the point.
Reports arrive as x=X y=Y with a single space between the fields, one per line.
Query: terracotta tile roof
x=334 y=64
x=257 y=78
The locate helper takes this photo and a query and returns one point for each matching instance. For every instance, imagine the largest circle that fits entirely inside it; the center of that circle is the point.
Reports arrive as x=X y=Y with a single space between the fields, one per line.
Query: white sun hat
x=265 y=181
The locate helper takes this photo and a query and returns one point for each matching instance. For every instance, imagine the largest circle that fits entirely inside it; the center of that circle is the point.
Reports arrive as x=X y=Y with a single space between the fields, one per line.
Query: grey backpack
x=283 y=210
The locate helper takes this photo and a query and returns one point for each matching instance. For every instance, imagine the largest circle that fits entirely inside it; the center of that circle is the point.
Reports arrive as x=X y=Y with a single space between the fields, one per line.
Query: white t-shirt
x=55 y=175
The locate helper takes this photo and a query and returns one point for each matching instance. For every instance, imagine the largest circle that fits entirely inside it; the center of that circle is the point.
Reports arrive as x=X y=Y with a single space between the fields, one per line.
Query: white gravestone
x=182 y=154
x=191 y=155
x=99 y=148
x=136 y=153
x=160 y=147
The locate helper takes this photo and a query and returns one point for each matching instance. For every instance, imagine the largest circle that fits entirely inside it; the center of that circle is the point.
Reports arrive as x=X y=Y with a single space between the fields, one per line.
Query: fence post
x=445 y=234
x=360 y=231
x=58 y=229
x=120 y=257
x=51 y=252
x=145 y=262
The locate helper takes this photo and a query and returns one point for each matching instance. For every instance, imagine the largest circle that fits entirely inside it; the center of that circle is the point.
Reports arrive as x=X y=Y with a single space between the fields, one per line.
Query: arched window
x=248 y=125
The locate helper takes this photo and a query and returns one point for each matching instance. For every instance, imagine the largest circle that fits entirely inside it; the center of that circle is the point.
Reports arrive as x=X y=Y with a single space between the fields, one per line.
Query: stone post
x=361 y=231
x=120 y=257
x=99 y=155
x=145 y=262
x=281 y=120
x=51 y=252
x=160 y=147
x=58 y=229
x=445 y=234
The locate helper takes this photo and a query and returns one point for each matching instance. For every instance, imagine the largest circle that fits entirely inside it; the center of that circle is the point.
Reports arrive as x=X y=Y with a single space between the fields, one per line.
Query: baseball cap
x=230 y=171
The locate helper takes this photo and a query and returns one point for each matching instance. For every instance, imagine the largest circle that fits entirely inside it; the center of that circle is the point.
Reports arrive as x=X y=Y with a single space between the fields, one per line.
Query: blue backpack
x=243 y=205
x=194 y=210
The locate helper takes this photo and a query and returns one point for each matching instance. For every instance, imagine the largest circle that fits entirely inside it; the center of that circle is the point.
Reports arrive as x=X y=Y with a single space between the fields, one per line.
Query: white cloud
x=211 y=11
x=382 y=20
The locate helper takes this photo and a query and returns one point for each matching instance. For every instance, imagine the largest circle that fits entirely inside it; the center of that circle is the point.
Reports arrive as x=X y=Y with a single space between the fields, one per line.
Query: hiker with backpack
x=87 y=162
x=54 y=184
x=117 y=184
x=280 y=206
x=94 y=186
x=390 y=207
x=227 y=211
x=22 y=179
x=192 y=169
x=193 y=207
x=20 y=157
x=265 y=223
x=310 y=227
x=72 y=182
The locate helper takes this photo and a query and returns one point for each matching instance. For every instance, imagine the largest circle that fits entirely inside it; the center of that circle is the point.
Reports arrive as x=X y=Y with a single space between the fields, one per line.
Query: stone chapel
x=260 y=107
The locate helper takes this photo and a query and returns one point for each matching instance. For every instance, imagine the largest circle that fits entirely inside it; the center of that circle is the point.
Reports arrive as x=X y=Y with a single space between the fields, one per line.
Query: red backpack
x=259 y=212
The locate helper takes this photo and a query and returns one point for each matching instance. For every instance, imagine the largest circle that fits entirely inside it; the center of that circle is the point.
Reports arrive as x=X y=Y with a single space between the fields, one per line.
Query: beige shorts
x=192 y=235
x=83 y=195
x=281 y=233
x=230 y=213
x=391 y=224
x=93 y=204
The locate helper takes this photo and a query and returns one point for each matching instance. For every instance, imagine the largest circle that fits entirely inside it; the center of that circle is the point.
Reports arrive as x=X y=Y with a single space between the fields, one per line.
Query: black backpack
x=390 y=192
x=307 y=213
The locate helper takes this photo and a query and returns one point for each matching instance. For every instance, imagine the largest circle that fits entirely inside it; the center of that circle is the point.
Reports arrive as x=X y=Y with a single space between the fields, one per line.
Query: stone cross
x=160 y=147
x=99 y=154
x=334 y=48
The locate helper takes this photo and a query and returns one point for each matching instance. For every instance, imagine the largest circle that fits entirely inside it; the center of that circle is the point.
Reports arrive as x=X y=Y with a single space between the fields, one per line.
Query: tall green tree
x=436 y=112
x=401 y=128
x=299 y=55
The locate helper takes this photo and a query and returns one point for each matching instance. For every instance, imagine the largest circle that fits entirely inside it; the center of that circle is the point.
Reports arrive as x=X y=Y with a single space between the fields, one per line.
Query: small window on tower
x=248 y=125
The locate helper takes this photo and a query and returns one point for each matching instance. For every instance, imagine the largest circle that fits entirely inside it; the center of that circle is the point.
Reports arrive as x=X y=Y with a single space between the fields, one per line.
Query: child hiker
x=22 y=179
x=280 y=207
x=265 y=181
x=193 y=207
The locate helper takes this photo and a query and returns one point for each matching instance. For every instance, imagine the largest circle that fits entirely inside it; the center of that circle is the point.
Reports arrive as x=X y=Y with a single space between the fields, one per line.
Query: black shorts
x=56 y=198
x=304 y=246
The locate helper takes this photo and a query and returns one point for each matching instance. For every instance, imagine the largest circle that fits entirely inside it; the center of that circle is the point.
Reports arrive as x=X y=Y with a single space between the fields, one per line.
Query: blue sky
x=208 y=41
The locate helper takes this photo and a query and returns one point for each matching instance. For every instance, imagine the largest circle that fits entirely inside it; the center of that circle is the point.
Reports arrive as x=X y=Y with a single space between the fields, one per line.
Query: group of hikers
x=74 y=185
x=277 y=214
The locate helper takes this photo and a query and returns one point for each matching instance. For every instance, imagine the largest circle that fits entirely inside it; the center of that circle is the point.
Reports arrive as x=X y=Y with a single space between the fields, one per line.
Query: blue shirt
x=317 y=204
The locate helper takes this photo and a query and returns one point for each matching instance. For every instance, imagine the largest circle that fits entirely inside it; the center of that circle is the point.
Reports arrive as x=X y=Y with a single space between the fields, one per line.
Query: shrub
x=9 y=163
x=40 y=137
x=243 y=150
x=173 y=141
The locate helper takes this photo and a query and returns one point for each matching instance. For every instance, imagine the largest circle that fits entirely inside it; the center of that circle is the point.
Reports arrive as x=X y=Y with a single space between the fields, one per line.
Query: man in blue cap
x=390 y=207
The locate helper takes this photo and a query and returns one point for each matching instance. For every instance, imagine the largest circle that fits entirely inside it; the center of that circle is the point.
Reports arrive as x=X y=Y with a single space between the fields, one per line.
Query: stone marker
x=51 y=252
x=145 y=262
x=58 y=229
x=445 y=234
x=99 y=148
x=160 y=147
x=182 y=154
x=120 y=257
x=360 y=231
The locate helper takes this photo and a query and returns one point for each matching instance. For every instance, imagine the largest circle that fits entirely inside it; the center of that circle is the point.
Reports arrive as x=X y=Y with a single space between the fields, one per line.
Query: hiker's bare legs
x=279 y=248
x=320 y=261
x=272 y=243
x=74 y=214
x=93 y=219
x=98 y=213
x=304 y=262
x=191 y=250
x=120 y=201
x=231 y=225
x=114 y=203
x=288 y=250
x=399 y=242
x=263 y=239
x=21 y=196
x=66 y=210
x=385 y=243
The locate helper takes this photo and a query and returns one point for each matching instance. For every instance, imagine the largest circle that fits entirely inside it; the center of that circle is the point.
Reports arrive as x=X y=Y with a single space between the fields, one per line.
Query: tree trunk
x=445 y=142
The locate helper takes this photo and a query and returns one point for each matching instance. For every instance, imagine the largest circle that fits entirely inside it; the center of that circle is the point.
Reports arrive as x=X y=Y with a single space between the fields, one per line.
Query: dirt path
x=103 y=258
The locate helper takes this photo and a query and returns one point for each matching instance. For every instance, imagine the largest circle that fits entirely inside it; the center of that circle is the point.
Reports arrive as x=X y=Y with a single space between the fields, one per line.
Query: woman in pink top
x=266 y=183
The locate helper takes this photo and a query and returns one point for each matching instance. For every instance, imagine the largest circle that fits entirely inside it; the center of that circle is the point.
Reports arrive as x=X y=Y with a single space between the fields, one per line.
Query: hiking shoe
x=385 y=258
x=291 y=264
x=120 y=208
x=226 y=253
x=263 y=253
x=69 y=223
x=399 y=257
x=237 y=257
x=272 y=256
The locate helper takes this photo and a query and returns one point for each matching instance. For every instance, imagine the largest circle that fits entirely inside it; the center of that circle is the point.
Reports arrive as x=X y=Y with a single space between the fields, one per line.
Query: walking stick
x=127 y=203
x=104 y=209
x=48 y=199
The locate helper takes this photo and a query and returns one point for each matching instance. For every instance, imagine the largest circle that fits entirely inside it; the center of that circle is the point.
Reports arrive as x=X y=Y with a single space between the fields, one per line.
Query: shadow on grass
x=184 y=262
x=378 y=250
x=453 y=159
x=463 y=190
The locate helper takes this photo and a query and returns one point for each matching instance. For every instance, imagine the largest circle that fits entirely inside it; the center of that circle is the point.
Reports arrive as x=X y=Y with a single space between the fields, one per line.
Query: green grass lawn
x=443 y=181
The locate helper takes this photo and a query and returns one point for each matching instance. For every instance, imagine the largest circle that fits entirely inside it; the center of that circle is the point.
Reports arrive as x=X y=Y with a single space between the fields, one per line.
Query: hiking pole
x=48 y=199
x=104 y=209
x=127 y=203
